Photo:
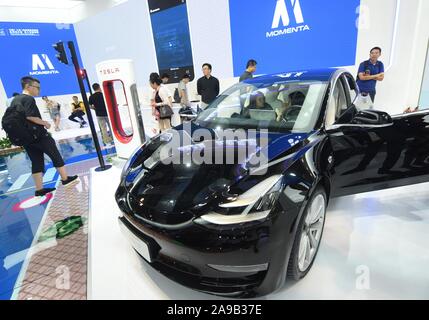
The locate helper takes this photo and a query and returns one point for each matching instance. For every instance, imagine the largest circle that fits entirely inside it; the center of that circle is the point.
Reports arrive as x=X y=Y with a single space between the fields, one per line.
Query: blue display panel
x=284 y=35
x=172 y=40
x=170 y=29
x=26 y=50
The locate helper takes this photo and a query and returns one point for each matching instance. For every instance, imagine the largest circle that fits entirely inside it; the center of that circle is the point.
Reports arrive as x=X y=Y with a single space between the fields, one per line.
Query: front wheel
x=308 y=235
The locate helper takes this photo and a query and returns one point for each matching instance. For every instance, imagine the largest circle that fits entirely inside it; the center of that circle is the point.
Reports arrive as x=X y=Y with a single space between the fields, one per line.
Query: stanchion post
x=79 y=76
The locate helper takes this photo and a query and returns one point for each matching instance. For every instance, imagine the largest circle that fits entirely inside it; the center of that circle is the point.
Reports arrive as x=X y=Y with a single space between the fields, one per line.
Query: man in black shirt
x=96 y=102
x=250 y=70
x=207 y=86
x=165 y=78
x=45 y=144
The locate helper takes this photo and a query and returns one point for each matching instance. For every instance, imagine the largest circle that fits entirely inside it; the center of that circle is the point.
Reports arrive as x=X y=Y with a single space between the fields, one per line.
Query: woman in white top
x=162 y=103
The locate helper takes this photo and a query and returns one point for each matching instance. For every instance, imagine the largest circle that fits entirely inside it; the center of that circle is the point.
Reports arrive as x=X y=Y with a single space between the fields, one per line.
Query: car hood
x=162 y=189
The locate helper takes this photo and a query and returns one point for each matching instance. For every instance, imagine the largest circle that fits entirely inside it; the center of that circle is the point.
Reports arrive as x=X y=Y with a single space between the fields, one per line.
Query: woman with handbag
x=162 y=105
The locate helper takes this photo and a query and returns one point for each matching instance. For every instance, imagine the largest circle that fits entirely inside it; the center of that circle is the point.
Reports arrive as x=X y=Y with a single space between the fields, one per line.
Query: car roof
x=304 y=75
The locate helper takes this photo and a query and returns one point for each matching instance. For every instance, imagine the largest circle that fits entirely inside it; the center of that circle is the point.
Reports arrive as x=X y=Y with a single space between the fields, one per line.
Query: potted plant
x=6 y=147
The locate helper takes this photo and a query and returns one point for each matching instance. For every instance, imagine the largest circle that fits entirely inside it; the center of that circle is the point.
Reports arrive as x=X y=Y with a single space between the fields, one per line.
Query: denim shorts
x=54 y=113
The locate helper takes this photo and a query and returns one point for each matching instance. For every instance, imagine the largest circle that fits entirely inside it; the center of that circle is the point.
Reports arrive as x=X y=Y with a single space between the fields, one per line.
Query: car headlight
x=255 y=204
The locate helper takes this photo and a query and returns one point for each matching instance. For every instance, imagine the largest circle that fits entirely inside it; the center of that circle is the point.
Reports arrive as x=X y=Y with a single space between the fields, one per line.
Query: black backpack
x=19 y=130
x=176 y=95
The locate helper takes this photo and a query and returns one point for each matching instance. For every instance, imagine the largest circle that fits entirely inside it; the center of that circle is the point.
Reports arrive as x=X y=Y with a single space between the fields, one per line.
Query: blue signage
x=283 y=35
x=26 y=50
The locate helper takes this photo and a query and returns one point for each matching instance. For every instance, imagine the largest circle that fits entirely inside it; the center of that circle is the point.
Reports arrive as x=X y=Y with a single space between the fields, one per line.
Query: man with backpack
x=370 y=71
x=24 y=126
x=9 y=101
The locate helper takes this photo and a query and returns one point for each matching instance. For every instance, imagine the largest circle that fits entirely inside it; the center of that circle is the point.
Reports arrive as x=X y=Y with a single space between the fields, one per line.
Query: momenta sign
x=277 y=33
x=42 y=65
x=281 y=13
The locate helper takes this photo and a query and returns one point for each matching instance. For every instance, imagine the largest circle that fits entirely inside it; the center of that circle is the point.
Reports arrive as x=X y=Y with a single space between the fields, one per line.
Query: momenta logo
x=281 y=13
x=42 y=65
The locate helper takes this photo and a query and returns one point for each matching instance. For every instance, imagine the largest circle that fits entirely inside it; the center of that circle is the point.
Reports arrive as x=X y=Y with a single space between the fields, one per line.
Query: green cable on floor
x=63 y=228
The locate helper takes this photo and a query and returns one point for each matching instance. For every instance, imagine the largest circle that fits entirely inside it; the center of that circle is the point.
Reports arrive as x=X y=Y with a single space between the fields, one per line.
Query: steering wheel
x=290 y=110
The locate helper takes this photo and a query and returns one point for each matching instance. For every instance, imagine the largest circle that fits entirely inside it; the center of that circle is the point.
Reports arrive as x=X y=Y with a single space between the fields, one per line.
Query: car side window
x=341 y=100
x=337 y=104
x=351 y=87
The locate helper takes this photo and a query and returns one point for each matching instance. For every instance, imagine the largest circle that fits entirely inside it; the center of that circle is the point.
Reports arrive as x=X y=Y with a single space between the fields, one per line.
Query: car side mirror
x=372 y=117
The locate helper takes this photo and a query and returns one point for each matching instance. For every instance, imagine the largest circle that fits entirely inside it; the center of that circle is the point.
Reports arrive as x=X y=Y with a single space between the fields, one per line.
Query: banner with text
x=26 y=50
x=287 y=35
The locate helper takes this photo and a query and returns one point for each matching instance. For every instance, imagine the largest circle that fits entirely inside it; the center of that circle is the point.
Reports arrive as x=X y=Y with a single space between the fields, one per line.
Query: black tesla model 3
x=240 y=223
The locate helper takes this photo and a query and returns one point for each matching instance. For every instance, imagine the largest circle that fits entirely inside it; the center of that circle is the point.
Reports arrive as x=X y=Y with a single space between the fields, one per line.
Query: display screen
x=170 y=29
x=26 y=50
x=288 y=35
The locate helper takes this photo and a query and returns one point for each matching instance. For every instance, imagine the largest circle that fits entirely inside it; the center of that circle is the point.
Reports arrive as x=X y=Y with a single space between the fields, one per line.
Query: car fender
x=300 y=180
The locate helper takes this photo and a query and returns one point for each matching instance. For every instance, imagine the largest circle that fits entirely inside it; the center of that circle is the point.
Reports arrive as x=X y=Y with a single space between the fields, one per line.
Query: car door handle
x=337 y=134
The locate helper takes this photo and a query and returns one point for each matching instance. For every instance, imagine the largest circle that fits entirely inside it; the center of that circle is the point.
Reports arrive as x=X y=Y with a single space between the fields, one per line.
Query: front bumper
x=242 y=261
x=190 y=268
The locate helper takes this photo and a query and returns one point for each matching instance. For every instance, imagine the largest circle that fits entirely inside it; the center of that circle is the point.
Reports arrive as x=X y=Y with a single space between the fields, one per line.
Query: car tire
x=308 y=235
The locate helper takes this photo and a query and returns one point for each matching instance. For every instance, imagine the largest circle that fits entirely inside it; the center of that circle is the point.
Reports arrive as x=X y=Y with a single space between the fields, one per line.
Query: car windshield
x=278 y=106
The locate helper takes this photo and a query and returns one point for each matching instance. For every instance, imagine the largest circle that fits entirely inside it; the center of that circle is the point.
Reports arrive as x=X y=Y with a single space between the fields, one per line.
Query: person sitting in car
x=280 y=107
x=281 y=112
x=257 y=102
x=272 y=98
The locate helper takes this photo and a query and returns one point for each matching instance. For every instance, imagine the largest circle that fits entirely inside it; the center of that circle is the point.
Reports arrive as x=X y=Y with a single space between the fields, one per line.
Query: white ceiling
x=47 y=4
x=57 y=11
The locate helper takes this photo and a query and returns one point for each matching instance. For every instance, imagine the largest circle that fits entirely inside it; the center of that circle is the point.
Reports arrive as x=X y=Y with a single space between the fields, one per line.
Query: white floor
x=375 y=246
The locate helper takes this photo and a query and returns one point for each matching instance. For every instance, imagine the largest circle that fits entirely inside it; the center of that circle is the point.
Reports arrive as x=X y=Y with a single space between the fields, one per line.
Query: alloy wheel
x=311 y=232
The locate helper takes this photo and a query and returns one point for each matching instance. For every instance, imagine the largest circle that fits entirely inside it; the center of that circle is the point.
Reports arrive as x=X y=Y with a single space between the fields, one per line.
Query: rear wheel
x=308 y=236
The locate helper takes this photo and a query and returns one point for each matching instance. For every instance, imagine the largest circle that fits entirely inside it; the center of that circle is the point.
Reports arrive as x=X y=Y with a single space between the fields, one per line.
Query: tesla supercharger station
x=117 y=80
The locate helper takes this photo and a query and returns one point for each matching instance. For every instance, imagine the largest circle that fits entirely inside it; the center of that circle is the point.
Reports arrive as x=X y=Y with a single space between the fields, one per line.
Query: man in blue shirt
x=369 y=73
